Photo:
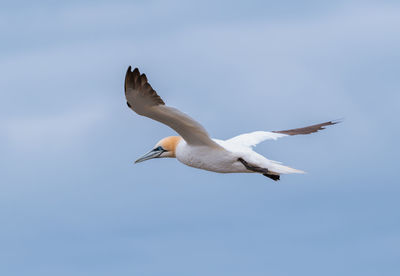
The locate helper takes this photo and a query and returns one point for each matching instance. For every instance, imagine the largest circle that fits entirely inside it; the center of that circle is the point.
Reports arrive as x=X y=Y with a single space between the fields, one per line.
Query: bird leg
x=264 y=171
x=252 y=167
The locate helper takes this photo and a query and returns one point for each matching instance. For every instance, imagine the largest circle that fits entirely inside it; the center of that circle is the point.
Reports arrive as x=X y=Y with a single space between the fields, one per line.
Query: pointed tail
x=281 y=169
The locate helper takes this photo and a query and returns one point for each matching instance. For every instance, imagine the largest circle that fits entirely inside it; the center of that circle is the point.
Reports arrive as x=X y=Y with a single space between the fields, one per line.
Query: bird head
x=164 y=148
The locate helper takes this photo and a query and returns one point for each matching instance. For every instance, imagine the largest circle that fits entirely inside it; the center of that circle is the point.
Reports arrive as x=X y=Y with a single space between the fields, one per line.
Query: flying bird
x=194 y=147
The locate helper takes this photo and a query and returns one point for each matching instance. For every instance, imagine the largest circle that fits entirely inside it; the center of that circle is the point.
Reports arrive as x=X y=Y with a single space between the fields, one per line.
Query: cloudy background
x=73 y=203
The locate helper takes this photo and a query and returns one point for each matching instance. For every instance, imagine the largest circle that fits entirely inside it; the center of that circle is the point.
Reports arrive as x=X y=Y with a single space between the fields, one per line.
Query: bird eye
x=158 y=149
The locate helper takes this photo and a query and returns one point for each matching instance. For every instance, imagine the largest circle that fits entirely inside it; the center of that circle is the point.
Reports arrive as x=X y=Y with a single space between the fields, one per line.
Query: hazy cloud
x=52 y=130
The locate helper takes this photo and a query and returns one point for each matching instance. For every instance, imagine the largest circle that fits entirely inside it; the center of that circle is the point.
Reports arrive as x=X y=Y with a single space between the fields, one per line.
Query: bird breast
x=208 y=158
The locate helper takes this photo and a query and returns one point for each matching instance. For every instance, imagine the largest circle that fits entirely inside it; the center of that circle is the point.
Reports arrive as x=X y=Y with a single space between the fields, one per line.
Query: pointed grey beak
x=150 y=155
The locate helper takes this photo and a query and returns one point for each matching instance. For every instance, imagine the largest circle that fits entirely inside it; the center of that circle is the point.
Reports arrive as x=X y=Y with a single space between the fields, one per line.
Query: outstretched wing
x=307 y=129
x=142 y=99
x=253 y=138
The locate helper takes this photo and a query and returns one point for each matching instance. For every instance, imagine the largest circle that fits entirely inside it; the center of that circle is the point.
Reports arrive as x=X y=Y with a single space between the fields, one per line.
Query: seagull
x=194 y=147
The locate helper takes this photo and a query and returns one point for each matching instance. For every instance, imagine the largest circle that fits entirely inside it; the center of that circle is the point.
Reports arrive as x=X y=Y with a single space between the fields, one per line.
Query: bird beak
x=150 y=155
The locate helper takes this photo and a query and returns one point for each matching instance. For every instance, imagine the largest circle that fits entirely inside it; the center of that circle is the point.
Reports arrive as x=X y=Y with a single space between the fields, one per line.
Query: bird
x=194 y=147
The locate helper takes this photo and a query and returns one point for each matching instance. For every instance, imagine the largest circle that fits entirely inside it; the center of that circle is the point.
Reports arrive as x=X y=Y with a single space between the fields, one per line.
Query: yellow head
x=164 y=148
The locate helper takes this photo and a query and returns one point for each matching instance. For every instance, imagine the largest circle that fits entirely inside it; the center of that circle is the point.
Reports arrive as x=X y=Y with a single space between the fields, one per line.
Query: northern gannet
x=194 y=147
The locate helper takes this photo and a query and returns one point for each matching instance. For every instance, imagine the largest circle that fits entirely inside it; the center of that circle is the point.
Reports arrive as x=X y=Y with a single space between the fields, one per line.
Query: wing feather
x=253 y=138
x=145 y=101
x=307 y=129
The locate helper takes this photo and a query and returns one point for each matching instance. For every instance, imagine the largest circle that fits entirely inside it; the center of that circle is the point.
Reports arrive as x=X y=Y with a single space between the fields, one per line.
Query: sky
x=73 y=203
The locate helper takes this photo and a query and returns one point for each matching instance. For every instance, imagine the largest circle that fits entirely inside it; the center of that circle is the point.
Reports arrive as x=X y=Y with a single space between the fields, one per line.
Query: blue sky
x=73 y=203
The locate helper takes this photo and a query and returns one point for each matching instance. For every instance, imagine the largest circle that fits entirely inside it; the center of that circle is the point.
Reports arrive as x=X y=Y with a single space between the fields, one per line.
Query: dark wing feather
x=307 y=129
x=136 y=82
x=142 y=99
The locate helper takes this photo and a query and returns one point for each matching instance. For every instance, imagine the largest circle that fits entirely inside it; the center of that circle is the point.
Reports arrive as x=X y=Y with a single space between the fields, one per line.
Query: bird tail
x=278 y=168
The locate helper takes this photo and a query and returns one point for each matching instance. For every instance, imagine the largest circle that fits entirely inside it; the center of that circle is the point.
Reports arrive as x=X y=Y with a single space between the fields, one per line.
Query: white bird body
x=194 y=147
x=225 y=159
x=208 y=158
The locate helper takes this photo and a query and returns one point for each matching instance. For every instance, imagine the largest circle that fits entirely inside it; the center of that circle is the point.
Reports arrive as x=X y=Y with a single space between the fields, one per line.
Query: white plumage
x=194 y=147
x=225 y=160
x=253 y=138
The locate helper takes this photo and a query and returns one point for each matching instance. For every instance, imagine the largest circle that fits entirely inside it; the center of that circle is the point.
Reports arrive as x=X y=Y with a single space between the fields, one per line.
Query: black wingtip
x=129 y=78
x=337 y=121
x=135 y=71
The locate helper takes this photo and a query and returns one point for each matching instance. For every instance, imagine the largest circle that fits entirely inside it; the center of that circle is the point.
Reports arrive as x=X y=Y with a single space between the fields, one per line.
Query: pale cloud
x=56 y=131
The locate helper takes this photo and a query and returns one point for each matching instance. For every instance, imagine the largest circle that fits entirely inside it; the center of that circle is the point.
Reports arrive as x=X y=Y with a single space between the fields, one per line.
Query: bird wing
x=253 y=138
x=307 y=129
x=142 y=99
